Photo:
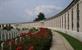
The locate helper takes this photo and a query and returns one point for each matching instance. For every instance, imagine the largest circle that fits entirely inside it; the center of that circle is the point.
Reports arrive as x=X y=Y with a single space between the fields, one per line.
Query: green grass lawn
x=76 y=44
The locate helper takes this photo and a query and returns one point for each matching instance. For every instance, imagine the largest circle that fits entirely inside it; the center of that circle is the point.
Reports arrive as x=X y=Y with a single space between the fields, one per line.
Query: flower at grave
x=31 y=47
x=22 y=34
x=29 y=34
x=6 y=42
x=41 y=34
x=19 y=48
x=13 y=41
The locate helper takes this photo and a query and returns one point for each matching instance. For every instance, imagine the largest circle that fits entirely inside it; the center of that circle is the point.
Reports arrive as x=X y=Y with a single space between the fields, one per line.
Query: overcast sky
x=12 y=11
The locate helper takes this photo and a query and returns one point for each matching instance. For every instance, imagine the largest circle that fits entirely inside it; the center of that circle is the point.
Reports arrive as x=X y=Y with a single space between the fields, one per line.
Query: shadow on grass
x=76 y=44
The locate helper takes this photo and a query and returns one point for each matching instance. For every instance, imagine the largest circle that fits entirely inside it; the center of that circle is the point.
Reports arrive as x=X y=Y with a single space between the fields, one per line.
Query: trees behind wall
x=41 y=16
x=7 y=27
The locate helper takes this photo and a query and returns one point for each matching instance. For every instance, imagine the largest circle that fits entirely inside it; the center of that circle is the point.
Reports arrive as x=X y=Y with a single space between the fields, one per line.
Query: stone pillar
x=80 y=9
x=55 y=22
x=63 y=22
x=75 y=18
x=66 y=20
x=70 y=21
x=59 y=22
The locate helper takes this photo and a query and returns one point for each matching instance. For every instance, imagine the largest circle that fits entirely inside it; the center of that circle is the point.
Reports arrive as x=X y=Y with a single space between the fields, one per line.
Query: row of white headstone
x=10 y=43
x=5 y=35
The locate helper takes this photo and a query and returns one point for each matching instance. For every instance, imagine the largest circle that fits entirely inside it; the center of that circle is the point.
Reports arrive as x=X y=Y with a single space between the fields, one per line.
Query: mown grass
x=76 y=44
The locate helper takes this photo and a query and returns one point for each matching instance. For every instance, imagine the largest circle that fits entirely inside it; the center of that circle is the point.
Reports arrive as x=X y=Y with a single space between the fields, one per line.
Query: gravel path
x=60 y=43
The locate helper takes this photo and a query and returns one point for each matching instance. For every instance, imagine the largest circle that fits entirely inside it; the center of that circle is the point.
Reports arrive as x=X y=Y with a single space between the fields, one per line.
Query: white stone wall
x=57 y=22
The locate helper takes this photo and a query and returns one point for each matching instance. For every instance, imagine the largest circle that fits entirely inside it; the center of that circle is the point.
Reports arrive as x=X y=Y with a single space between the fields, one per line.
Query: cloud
x=28 y=12
x=47 y=9
x=48 y=6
